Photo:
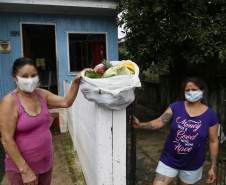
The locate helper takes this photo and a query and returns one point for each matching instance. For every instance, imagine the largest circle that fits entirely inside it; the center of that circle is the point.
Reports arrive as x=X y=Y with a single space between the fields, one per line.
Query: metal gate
x=221 y=166
x=131 y=147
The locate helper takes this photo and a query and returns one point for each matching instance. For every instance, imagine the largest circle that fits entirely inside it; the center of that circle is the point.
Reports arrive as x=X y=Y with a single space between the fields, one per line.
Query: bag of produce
x=114 y=87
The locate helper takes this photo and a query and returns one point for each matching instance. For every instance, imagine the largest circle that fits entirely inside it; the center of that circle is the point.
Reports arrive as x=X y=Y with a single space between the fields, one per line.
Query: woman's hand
x=136 y=123
x=29 y=177
x=212 y=175
x=78 y=78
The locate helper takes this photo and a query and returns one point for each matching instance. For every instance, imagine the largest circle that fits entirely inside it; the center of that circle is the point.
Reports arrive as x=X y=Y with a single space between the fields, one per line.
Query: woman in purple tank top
x=24 y=125
x=191 y=123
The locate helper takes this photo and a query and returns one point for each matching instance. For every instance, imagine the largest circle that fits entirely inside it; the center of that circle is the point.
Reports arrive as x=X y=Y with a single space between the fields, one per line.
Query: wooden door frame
x=56 y=50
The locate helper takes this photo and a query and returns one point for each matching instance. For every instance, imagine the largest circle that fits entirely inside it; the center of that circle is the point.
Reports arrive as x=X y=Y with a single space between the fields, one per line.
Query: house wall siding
x=10 y=21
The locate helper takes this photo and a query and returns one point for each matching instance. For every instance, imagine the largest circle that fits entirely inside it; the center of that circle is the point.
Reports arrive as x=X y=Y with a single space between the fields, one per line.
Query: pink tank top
x=33 y=138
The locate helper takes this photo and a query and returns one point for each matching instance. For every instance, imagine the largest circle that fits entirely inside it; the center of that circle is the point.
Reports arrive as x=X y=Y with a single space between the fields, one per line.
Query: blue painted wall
x=10 y=21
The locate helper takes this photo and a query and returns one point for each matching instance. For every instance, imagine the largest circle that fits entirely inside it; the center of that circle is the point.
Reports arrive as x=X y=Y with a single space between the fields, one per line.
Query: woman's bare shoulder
x=8 y=100
x=8 y=104
x=8 y=114
x=42 y=92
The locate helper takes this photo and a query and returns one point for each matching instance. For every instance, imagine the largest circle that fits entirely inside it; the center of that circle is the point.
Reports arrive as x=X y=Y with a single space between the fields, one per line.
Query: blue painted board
x=10 y=21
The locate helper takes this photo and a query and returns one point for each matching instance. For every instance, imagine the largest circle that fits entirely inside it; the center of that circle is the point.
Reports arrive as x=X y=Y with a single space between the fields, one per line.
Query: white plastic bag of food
x=113 y=93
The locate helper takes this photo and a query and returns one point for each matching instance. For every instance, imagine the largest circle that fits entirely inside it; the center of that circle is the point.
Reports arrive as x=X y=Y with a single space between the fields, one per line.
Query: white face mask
x=27 y=84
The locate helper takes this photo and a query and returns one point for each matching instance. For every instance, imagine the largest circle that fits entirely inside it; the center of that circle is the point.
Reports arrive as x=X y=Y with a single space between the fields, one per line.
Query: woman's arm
x=56 y=101
x=8 y=121
x=158 y=123
x=213 y=149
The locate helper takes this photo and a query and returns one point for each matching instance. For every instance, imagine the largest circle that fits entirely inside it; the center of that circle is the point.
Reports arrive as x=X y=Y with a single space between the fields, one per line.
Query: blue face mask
x=193 y=96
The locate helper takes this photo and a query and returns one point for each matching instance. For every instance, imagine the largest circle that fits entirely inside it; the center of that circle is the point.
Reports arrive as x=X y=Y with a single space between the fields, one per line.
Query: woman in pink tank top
x=24 y=125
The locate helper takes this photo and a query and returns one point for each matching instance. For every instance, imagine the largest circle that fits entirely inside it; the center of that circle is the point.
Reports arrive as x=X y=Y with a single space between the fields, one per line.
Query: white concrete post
x=119 y=147
x=104 y=146
x=100 y=141
x=63 y=114
x=63 y=120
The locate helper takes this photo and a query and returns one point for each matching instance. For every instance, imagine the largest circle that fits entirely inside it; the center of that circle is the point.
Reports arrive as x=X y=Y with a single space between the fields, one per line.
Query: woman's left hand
x=212 y=175
x=78 y=78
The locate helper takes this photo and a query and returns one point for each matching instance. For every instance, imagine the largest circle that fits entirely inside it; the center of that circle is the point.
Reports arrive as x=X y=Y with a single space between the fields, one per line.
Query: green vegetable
x=117 y=70
x=92 y=74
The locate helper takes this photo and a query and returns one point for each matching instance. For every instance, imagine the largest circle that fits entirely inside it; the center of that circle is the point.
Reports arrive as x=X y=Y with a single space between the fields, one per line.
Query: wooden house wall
x=10 y=21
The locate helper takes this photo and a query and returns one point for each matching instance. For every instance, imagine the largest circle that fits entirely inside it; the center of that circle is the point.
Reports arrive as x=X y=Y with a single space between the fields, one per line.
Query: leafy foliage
x=163 y=33
x=123 y=54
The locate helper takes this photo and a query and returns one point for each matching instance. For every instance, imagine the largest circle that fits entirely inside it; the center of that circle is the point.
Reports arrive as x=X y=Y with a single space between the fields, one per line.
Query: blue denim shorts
x=189 y=177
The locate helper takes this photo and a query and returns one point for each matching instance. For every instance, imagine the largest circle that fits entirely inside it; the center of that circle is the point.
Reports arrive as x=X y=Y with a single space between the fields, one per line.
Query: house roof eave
x=66 y=6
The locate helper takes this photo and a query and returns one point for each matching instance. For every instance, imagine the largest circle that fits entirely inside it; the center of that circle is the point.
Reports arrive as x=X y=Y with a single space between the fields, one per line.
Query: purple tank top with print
x=33 y=138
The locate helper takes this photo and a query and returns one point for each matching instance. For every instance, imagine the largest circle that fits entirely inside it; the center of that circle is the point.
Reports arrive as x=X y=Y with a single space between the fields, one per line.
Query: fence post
x=132 y=164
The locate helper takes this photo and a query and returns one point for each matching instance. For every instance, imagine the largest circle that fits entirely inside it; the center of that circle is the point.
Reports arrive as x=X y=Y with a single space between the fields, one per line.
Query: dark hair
x=20 y=62
x=197 y=81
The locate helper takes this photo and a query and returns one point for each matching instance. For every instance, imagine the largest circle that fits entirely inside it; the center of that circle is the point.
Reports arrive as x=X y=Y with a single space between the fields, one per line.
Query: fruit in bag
x=100 y=69
x=117 y=70
x=130 y=66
